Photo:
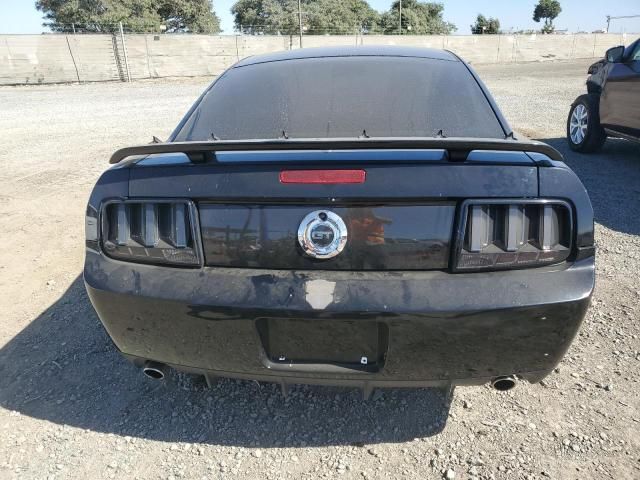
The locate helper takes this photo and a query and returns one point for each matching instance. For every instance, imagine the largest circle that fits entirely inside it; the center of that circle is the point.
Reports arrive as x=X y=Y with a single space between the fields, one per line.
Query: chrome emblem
x=322 y=234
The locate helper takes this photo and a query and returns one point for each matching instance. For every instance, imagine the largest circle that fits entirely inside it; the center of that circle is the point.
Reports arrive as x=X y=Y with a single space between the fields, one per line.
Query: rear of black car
x=463 y=254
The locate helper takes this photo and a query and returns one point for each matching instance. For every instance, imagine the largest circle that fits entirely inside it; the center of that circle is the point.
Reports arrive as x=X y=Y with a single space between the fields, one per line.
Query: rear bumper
x=441 y=328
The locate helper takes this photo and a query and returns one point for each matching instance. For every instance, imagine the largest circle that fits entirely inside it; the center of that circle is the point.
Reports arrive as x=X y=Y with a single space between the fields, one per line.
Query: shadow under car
x=63 y=368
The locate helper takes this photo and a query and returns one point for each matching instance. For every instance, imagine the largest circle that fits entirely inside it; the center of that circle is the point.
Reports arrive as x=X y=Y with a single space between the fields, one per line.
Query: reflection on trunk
x=415 y=237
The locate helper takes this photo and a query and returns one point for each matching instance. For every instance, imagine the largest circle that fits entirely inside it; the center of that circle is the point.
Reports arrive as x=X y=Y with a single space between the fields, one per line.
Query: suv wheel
x=584 y=132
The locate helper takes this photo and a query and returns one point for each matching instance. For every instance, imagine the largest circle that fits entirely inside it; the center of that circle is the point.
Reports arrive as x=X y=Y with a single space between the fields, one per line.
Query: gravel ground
x=71 y=407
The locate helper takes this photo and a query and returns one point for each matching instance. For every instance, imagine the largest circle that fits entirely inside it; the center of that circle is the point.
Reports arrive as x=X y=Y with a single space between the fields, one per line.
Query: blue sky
x=20 y=16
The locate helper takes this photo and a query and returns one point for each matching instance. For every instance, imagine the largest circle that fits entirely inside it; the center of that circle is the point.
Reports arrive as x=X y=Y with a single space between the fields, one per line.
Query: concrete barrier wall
x=55 y=58
x=152 y=56
x=26 y=59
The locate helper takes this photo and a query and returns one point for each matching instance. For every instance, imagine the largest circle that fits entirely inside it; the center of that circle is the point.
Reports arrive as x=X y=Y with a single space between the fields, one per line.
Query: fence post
x=124 y=49
x=146 y=47
x=300 y=20
x=72 y=58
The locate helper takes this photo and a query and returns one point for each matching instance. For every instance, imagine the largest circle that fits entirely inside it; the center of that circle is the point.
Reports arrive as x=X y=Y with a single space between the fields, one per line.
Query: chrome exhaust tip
x=155 y=370
x=503 y=384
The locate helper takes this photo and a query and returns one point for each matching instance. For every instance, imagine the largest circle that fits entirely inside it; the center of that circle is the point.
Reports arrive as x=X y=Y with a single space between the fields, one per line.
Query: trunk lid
x=400 y=217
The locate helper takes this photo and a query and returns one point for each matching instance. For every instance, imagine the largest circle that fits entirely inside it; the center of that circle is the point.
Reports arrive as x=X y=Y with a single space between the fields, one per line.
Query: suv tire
x=584 y=132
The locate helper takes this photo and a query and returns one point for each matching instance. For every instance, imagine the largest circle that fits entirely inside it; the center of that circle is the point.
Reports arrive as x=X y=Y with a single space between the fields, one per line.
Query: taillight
x=512 y=234
x=151 y=231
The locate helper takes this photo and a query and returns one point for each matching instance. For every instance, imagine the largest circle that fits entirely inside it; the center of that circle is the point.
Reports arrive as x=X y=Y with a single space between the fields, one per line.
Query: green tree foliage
x=269 y=17
x=485 y=25
x=273 y=17
x=418 y=18
x=194 y=16
x=341 y=17
x=547 y=10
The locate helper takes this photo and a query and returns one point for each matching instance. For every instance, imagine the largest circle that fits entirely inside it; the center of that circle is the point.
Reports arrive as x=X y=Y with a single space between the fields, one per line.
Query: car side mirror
x=615 y=54
x=594 y=68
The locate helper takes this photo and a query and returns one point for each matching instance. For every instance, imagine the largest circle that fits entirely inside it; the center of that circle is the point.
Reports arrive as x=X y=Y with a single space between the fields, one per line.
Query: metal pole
x=124 y=49
x=609 y=18
x=400 y=20
x=72 y=58
x=300 y=21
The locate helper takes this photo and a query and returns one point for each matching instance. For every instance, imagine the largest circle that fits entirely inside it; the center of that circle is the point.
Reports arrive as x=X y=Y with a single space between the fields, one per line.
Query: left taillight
x=150 y=231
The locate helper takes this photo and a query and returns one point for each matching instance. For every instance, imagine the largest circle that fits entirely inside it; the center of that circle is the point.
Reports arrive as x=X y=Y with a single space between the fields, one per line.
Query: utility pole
x=400 y=21
x=300 y=21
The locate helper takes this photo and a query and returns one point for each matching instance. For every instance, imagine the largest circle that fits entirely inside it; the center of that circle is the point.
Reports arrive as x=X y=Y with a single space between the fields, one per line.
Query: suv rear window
x=342 y=97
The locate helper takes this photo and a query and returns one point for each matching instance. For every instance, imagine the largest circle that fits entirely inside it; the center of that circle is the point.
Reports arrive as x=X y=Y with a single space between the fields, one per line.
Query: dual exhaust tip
x=158 y=371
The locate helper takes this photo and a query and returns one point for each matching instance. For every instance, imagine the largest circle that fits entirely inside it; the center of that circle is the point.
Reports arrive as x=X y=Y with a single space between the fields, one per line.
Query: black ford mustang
x=349 y=216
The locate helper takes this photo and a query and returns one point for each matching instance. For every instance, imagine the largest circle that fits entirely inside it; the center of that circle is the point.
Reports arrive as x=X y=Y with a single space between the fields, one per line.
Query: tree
x=195 y=16
x=271 y=17
x=485 y=25
x=549 y=10
x=340 y=17
x=98 y=16
x=319 y=17
x=418 y=18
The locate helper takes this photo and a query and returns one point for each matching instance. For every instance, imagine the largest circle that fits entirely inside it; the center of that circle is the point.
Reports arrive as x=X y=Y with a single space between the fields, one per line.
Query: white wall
x=27 y=59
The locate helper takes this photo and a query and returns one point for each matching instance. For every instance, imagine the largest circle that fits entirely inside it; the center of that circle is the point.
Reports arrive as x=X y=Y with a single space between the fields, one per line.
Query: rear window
x=342 y=97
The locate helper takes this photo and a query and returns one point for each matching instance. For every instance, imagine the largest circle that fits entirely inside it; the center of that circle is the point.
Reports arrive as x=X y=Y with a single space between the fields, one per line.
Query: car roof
x=350 y=51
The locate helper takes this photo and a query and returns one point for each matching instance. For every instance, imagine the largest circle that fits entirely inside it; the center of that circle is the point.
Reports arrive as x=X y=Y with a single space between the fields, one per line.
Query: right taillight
x=512 y=234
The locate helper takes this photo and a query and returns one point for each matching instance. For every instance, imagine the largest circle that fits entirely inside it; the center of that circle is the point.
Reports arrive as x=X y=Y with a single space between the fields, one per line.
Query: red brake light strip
x=323 y=176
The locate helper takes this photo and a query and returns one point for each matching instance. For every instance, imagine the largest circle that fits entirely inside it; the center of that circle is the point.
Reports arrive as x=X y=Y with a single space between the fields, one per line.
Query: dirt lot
x=71 y=407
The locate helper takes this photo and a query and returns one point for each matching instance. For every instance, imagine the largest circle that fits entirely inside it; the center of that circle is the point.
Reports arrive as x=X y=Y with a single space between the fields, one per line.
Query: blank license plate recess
x=359 y=344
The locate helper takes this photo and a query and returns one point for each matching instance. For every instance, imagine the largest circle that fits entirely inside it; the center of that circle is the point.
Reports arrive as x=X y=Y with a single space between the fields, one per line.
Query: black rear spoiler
x=457 y=148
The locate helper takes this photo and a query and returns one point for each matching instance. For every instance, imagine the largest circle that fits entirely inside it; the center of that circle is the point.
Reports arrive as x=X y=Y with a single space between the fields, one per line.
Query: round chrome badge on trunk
x=322 y=234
